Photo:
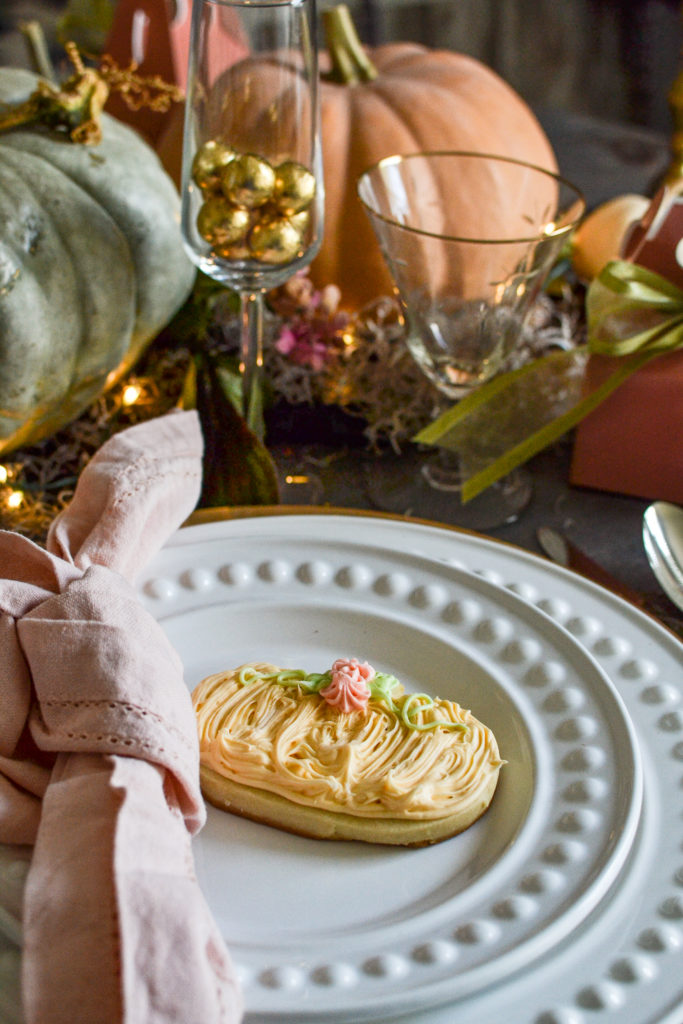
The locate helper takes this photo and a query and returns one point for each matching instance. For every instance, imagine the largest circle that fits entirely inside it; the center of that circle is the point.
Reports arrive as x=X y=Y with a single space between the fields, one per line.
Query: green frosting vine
x=380 y=686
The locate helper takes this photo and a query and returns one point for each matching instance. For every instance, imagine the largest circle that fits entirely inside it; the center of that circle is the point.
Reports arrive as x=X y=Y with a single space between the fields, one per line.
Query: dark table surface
x=604 y=160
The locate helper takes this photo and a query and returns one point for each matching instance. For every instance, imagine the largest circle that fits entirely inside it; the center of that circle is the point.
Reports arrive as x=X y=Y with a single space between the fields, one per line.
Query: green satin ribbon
x=631 y=313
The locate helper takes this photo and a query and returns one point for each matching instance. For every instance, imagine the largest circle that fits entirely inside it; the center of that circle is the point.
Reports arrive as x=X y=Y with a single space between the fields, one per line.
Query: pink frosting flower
x=349 y=690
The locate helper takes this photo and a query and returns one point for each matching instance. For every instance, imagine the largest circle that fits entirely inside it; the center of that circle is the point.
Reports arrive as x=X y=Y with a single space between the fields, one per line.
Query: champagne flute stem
x=251 y=358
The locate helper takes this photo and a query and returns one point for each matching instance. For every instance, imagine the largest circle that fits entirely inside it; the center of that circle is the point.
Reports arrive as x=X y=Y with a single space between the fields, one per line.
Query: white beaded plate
x=320 y=930
x=531 y=912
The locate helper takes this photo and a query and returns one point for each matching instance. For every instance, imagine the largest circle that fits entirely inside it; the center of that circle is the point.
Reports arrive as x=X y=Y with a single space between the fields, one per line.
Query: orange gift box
x=633 y=442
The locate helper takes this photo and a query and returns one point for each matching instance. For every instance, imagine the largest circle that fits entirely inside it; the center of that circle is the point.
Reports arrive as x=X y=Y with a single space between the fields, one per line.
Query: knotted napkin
x=99 y=754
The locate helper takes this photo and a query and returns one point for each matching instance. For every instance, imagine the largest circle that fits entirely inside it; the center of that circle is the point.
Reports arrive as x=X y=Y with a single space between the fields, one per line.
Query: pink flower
x=349 y=689
x=313 y=327
x=303 y=345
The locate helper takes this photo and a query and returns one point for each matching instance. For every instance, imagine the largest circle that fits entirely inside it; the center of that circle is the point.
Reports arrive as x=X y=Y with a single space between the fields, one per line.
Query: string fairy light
x=131 y=394
x=39 y=481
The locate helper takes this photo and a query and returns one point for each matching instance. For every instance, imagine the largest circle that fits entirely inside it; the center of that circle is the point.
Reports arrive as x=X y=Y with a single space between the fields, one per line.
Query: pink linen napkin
x=99 y=763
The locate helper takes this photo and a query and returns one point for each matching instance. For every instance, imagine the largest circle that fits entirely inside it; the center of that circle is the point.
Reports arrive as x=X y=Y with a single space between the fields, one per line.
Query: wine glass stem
x=251 y=356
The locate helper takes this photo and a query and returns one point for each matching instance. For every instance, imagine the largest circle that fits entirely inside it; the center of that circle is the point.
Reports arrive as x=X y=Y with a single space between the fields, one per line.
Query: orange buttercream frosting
x=400 y=756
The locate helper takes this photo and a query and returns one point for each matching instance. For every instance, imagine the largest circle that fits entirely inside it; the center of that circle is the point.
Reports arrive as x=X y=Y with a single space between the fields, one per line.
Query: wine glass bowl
x=252 y=183
x=469 y=240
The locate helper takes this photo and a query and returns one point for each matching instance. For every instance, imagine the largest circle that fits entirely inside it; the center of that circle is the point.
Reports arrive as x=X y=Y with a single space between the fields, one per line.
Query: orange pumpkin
x=402 y=98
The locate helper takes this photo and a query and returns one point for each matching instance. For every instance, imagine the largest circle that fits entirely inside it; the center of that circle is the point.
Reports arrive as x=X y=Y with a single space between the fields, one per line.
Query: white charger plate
x=530 y=902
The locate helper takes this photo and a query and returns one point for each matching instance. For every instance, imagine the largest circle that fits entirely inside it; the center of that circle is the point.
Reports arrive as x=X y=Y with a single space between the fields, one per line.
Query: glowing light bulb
x=4 y=475
x=15 y=499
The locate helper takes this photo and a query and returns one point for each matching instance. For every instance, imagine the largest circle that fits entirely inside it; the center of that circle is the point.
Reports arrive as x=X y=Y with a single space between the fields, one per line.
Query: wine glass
x=252 y=183
x=469 y=239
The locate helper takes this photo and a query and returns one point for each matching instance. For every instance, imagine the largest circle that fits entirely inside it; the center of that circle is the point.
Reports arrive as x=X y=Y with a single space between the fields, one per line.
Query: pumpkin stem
x=76 y=106
x=350 y=62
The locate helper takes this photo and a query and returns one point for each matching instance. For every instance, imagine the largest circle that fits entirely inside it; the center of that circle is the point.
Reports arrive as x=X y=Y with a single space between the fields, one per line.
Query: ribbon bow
x=631 y=312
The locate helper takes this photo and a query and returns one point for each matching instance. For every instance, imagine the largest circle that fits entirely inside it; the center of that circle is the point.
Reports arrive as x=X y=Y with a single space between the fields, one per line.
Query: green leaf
x=230 y=383
x=238 y=469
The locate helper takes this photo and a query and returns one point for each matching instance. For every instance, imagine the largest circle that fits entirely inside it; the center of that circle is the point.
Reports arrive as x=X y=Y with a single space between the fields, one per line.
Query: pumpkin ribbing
x=91 y=266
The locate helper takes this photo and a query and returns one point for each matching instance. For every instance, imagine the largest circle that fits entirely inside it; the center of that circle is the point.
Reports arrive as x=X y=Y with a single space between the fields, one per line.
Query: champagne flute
x=469 y=239
x=252 y=184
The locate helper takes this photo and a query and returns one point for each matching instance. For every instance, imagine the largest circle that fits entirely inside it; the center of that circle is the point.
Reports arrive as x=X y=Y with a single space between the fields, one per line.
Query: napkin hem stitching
x=124 y=706
x=135 y=486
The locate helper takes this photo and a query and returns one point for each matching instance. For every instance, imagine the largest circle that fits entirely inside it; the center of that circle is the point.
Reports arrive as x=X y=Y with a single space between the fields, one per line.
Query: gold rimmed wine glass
x=469 y=240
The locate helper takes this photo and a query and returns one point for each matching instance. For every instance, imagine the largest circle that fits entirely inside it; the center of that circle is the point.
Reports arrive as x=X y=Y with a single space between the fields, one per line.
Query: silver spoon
x=663 y=540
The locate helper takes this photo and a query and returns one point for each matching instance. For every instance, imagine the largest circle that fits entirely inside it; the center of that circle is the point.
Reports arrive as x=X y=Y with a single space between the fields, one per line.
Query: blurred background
x=613 y=59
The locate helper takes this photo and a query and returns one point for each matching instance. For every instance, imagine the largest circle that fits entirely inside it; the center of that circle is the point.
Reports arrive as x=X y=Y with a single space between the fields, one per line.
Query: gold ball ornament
x=248 y=180
x=221 y=223
x=294 y=187
x=208 y=164
x=274 y=241
x=300 y=221
x=238 y=250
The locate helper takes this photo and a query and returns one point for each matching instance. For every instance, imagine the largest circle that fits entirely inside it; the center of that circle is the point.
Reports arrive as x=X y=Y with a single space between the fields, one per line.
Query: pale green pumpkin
x=92 y=266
